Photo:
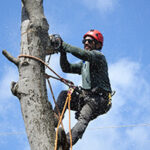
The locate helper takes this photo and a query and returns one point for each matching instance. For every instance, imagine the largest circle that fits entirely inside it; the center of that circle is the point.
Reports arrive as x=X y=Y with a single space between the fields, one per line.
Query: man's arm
x=67 y=67
x=78 y=52
x=57 y=43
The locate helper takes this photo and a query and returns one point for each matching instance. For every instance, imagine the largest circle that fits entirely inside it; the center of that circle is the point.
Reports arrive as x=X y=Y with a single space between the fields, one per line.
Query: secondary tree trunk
x=31 y=88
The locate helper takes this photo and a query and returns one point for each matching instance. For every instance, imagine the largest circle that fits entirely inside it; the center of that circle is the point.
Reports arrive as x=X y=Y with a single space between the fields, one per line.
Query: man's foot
x=77 y=114
x=62 y=141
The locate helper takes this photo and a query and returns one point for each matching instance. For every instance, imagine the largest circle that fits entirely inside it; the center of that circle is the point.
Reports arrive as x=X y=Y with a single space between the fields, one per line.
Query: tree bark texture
x=31 y=87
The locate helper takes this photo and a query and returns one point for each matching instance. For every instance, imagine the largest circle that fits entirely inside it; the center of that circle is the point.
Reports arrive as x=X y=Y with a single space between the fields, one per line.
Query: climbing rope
x=68 y=99
x=55 y=103
x=65 y=81
x=69 y=95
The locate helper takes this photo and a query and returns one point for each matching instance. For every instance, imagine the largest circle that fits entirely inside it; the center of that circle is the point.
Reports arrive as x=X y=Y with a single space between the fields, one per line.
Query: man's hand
x=56 y=41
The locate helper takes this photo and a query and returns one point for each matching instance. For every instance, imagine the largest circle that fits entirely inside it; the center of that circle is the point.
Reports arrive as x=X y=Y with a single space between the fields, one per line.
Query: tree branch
x=14 y=88
x=11 y=58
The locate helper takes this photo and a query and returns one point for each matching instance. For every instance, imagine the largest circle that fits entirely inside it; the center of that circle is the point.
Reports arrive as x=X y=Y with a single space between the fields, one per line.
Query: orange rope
x=70 y=124
x=68 y=99
x=67 y=82
x=60 y=119
x=55 y=103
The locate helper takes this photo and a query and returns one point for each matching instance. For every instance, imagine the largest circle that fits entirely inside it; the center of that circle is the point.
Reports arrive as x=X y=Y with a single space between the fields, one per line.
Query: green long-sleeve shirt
x=93 y=67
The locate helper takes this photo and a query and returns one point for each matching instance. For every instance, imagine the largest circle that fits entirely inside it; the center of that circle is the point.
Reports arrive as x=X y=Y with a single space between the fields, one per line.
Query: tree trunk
x=31 y=88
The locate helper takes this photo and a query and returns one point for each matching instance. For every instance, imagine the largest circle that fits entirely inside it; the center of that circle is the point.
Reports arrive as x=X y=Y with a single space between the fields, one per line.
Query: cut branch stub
x=11 y=58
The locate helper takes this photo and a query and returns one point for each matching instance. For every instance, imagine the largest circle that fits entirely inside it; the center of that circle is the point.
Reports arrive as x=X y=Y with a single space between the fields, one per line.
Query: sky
x=125 y=27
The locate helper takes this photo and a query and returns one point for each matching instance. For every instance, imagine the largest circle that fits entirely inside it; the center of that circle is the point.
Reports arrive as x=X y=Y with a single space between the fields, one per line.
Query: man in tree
x=92 y=99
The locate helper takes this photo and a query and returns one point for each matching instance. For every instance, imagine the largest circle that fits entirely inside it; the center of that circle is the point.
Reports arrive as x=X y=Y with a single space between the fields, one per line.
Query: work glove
x=56 y=42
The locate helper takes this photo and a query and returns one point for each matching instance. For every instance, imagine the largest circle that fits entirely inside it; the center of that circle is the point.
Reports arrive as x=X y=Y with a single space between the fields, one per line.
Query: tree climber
x=93 y=99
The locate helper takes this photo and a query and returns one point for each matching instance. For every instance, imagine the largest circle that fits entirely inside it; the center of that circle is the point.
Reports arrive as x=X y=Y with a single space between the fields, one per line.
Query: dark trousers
x=88 y=106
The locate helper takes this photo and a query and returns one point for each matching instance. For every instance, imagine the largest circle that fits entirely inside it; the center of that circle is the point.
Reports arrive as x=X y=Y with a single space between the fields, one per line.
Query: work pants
x=87 y=107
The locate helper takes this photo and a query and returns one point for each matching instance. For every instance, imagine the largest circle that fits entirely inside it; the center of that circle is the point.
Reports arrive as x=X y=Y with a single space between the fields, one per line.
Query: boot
x=62 y=141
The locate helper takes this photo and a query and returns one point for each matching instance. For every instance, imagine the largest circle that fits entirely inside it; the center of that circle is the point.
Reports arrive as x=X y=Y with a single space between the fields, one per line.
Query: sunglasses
x=90 y=41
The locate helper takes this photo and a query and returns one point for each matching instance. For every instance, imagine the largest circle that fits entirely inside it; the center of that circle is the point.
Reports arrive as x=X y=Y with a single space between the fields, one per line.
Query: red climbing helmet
x=95 y=34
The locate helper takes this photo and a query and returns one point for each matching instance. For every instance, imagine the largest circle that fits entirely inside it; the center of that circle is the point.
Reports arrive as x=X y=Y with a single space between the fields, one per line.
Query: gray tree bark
x=31 y=87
